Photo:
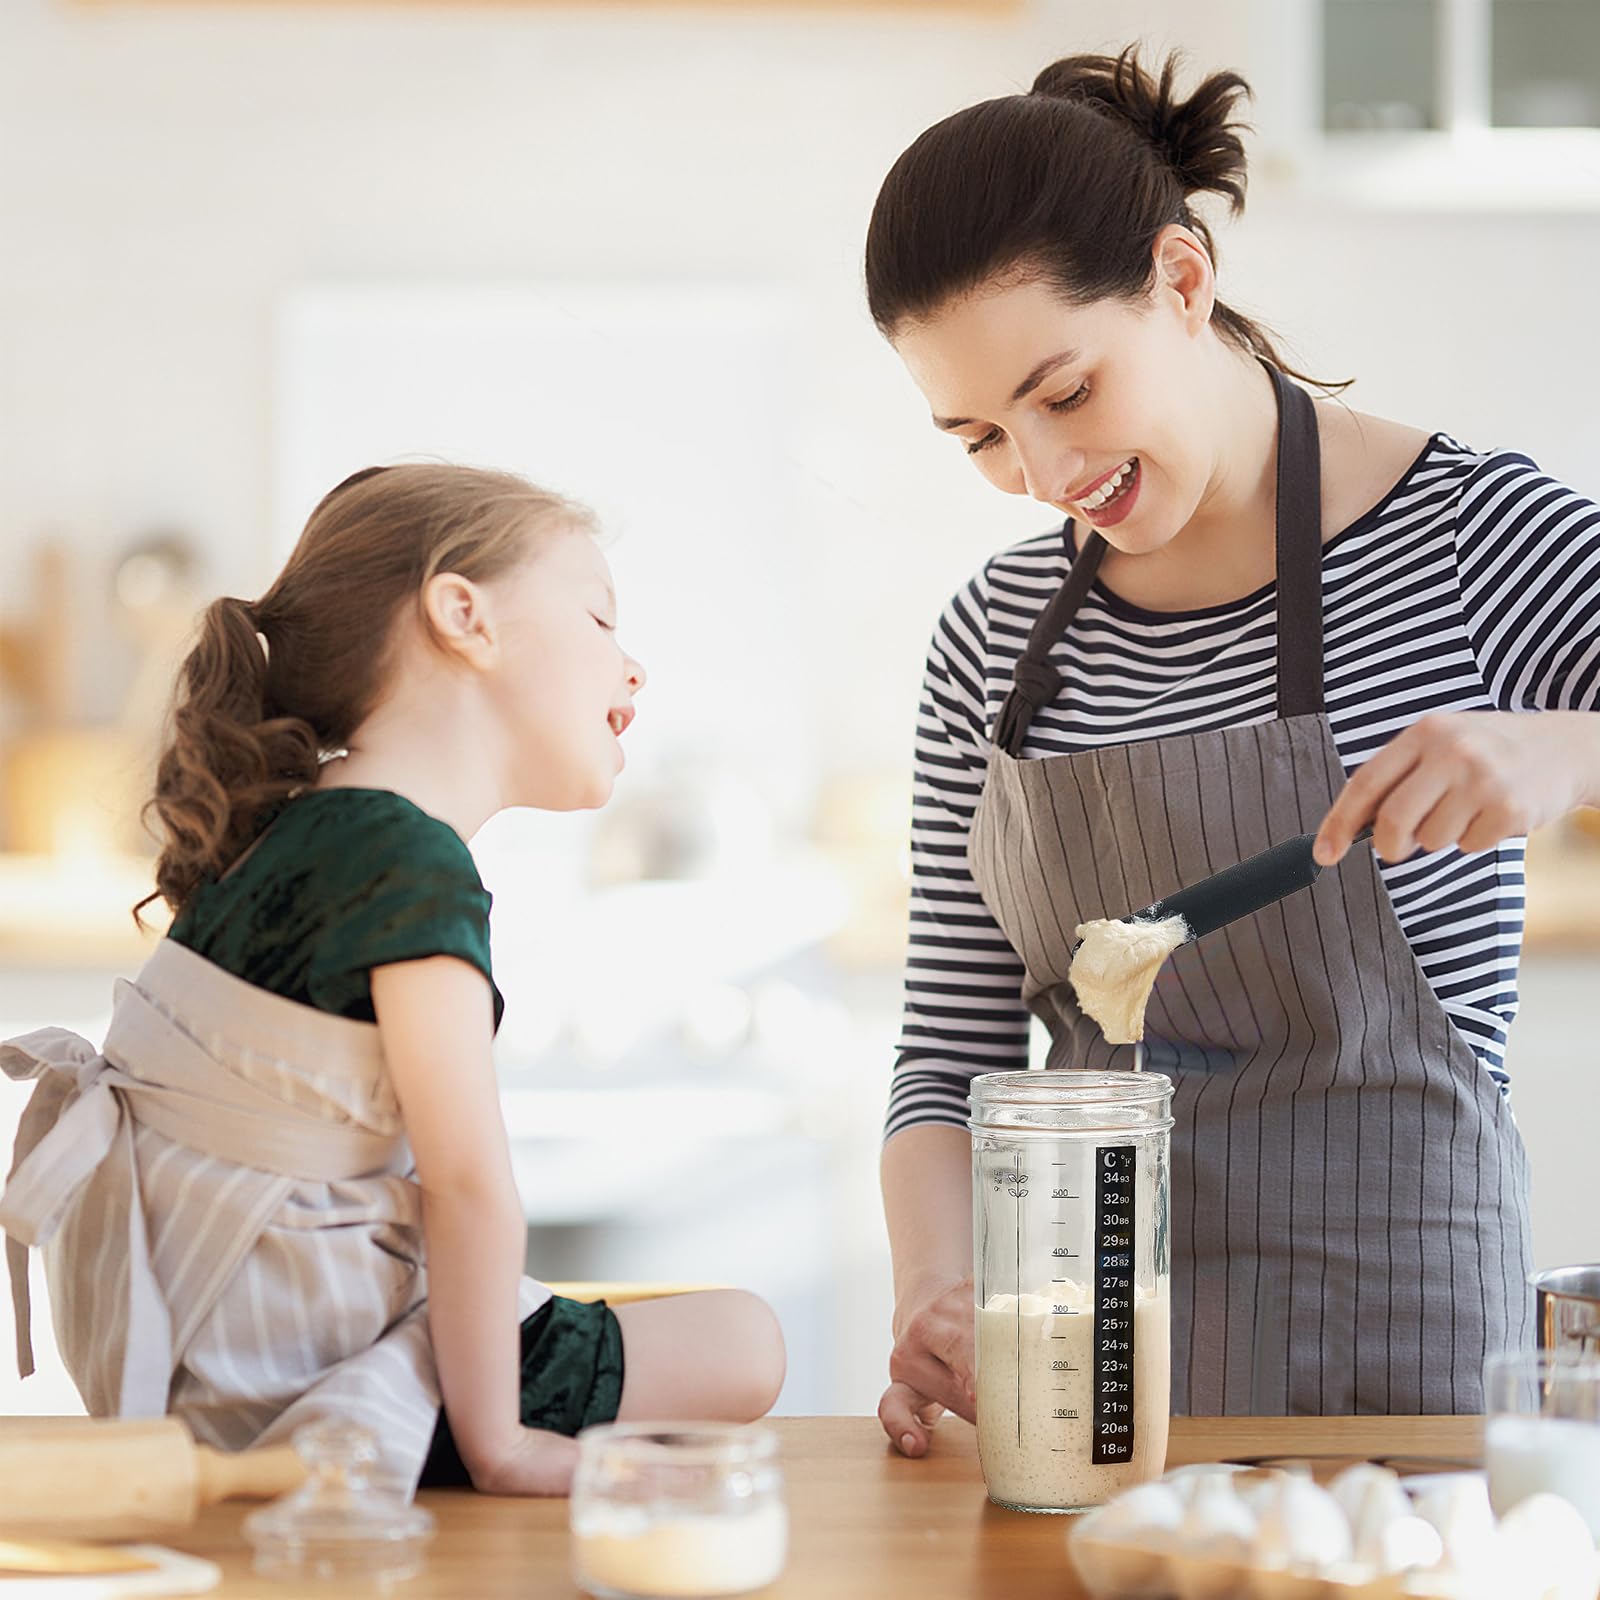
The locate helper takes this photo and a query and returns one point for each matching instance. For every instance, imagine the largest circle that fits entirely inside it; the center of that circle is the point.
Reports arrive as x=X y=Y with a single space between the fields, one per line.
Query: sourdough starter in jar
x=1026 y=1465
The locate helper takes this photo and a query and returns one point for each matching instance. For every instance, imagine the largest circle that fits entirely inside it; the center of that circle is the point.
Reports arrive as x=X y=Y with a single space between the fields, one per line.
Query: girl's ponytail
x=228 y=761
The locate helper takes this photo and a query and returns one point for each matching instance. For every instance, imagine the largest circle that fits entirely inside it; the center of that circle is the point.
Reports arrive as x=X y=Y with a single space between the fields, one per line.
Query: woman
x=1265 y=615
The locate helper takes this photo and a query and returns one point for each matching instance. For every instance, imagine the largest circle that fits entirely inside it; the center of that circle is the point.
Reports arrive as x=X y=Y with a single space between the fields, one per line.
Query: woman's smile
x=1113 y=496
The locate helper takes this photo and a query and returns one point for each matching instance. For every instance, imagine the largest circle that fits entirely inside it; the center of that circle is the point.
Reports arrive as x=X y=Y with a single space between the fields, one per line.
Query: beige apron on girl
x=229 y=1215
x=1349 y=1189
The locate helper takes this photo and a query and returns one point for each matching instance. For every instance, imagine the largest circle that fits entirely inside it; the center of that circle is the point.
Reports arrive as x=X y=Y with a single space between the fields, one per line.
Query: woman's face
x=1094 y=409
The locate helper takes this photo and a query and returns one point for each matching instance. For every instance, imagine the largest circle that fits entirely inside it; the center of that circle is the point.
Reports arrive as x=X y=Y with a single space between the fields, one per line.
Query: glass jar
x=664 y=1510
x=1542 y=1429
x=1070 y=1276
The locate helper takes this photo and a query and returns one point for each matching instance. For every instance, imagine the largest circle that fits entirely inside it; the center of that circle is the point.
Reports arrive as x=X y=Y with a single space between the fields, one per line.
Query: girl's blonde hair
x=273 y=685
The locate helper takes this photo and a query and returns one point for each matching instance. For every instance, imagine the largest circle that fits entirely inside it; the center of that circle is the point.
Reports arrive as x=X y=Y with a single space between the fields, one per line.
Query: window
x=1398 y=65
x=1545 y=58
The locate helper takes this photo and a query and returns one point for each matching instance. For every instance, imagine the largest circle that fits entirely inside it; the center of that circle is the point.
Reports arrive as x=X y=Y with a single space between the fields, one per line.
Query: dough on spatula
x=1115 y=970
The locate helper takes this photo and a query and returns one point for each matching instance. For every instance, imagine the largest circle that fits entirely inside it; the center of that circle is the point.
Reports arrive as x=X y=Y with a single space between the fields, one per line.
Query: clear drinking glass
x=1542 y=1429
x=664 y=1510
x=1071 y=1268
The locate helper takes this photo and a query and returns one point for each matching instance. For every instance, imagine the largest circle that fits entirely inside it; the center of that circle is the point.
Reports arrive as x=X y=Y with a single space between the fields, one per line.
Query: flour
x=1115 y=969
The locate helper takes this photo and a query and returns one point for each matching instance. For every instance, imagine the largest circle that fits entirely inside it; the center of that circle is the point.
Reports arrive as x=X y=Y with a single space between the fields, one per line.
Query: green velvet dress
x=345 y=880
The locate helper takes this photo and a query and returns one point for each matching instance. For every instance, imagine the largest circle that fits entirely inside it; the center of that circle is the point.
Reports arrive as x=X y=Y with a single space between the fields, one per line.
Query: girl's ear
x=456 y=613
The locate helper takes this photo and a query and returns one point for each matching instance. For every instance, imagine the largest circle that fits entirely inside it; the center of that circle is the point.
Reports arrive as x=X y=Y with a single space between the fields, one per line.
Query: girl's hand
x=931 y=1366
x=1466 y=778
x=535 y=1462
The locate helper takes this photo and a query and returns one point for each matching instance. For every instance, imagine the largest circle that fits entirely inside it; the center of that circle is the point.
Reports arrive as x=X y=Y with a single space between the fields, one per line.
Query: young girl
x=284 y=1187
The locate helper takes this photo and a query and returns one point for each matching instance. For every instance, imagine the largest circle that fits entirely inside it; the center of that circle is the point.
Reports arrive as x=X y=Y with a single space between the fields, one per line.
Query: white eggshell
x=1302 y=1527
x=1402 y=1544
x=1217 y=1522
x=1460 y=1511
x=1185 y=1482
x=1148 y=1514
x=1371 y=1498
x=1548 y=1543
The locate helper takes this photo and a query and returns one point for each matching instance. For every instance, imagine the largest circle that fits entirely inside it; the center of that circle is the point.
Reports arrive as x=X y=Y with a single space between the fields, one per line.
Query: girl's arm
x=435 y=1018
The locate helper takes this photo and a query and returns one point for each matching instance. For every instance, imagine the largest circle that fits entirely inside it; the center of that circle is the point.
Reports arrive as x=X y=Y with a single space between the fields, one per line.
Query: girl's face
x=562 y=684
x=1093 y=409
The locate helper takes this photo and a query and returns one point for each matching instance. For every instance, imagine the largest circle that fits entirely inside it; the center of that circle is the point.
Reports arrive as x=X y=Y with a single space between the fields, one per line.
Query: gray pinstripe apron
x=1349 y=1189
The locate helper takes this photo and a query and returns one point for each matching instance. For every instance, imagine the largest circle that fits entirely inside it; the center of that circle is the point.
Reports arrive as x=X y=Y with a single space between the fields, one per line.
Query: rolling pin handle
x=246 y=1474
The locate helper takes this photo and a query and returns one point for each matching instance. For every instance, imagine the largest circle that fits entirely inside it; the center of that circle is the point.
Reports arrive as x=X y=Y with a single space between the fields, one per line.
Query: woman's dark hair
x=274 y=685
x=1068 y=184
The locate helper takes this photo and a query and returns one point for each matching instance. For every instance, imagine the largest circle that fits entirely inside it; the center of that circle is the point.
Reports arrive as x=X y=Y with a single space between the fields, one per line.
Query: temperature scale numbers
x=1114 y=1233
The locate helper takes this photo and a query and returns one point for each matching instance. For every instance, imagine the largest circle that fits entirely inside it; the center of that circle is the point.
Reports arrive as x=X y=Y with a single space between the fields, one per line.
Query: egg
x=1149 y=1514
x=1186 y=1481
x=1217 y=1522
x=1302 y=1526
x=1402 y=1544
x=1459 y=1509
x=1366 y=1489
x=1371 y=1499
x=1549 y=1544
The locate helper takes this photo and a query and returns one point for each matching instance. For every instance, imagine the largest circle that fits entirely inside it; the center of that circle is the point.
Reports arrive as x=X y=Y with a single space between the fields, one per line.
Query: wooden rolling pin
x=87 y=1478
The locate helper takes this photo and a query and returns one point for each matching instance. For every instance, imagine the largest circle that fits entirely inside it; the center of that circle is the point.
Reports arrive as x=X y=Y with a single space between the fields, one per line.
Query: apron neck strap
x=1299 y=545
x=1036 y=681
x=1299 y=557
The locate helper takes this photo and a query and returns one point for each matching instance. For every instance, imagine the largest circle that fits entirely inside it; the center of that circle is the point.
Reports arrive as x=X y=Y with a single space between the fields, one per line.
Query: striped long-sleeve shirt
x=1473 y=585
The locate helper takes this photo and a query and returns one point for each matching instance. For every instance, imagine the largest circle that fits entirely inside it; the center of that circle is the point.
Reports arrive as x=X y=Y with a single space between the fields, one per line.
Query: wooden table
x=866 y=1523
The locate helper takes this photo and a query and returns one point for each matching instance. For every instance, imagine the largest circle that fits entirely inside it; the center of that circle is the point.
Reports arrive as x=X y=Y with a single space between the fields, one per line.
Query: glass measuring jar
x=1070 y=1276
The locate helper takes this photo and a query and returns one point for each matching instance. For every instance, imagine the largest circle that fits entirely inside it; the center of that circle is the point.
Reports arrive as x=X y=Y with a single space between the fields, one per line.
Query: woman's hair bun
x=1198 y=136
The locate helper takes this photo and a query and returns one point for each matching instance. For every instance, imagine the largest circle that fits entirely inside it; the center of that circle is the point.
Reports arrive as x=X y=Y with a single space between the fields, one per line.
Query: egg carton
x=1116 y=1570
x=1118 y=1559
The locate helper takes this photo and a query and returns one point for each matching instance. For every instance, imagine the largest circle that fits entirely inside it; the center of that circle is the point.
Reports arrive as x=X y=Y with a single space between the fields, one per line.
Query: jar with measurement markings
x=1071 y=1270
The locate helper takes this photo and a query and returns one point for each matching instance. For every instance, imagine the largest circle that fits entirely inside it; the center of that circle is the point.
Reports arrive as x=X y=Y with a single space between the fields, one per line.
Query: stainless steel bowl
x=1567 y=1305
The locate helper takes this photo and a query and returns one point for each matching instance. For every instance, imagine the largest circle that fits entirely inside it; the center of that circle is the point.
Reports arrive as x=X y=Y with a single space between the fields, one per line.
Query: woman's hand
x=931 y=1367
x=1466 y=778
x=534 y=1462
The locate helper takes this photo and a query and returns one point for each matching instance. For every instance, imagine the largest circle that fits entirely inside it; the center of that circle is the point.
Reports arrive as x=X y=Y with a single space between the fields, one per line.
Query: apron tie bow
x=67 y=1129
x=1035 y=686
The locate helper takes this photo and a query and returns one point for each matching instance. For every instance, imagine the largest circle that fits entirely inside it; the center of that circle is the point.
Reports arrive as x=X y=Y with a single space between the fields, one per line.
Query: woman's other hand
x=931 y=1368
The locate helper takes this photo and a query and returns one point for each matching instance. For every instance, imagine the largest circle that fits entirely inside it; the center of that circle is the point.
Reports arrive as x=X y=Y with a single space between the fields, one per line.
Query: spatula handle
x=1240 y=890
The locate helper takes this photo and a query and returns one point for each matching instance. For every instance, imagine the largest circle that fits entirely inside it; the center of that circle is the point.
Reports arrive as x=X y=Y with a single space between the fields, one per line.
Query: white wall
x=167 y=173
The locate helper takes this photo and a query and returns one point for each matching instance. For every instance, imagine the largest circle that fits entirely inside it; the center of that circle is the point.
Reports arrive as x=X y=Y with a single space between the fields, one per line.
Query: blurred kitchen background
x=248 y=248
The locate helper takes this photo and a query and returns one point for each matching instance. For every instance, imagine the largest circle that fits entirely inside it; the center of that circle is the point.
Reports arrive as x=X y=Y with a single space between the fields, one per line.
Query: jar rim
x=1069 y=1086
x=1068 y=1101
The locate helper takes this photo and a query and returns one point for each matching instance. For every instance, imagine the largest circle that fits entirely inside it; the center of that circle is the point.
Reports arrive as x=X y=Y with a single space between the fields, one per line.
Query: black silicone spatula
x=1237 y=891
